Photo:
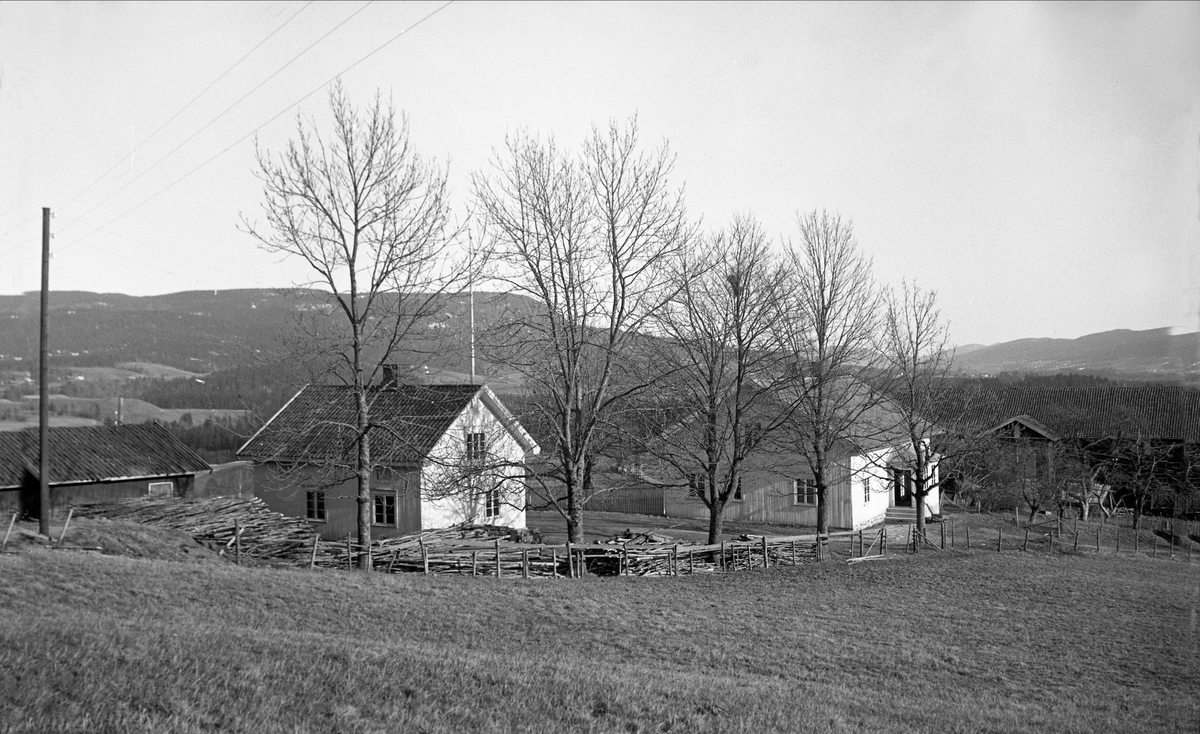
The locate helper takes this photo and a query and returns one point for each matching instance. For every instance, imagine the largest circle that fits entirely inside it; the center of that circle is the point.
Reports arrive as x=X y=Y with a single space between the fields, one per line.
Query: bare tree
x=587 y=238
x=722 y=363
x=369 y=218
x=829 y=336
x=916 y=353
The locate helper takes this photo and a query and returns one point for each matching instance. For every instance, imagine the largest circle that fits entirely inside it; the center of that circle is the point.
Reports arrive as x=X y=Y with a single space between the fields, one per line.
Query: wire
x=178 y=112
x=224 y=112
x=192 y=101
x=275 y=117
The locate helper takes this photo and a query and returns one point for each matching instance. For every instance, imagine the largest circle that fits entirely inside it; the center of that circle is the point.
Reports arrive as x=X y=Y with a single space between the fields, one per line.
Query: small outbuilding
x=94 y=463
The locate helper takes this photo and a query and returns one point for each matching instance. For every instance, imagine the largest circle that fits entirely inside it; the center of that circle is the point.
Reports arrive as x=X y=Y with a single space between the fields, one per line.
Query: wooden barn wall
x=24 y=500
x=768 y=498
x=631 y=500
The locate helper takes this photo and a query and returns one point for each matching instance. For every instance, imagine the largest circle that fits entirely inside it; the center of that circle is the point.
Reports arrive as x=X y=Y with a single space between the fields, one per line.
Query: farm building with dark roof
x=93 y=463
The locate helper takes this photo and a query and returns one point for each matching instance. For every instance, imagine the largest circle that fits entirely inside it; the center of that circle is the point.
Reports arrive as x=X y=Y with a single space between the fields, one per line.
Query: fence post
x=723 y=556
x=624 y=567
x=66 y=525
x=1025 y=545
x=424 y=554
x=1000 y=539
x=349 y=554
x=942 y=527
x=524 y=563
x=1154 y=552
x=312 y=560
x=474 y=563
x=554 y=561
x=968 y=529
x=8 y=532
x=766 y=558
x=570 y=562
x=497 y=542
x=882 y=540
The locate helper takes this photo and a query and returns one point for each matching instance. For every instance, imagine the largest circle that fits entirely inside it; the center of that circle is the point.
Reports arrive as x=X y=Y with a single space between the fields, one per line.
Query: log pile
x=234 y=527
x=268 y=537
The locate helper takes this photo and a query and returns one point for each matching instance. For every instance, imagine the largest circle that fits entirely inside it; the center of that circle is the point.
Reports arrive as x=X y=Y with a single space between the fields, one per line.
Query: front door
x=901 y=488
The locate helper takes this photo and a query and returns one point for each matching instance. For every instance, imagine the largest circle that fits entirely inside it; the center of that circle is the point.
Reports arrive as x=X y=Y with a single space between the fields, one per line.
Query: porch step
x=907 y=515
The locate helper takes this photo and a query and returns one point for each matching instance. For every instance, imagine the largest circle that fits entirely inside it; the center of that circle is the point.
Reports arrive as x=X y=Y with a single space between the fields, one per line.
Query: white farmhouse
x=440 y=455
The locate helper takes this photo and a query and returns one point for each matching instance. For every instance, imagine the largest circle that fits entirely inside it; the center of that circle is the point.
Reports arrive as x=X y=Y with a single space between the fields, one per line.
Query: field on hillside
x=939 y=642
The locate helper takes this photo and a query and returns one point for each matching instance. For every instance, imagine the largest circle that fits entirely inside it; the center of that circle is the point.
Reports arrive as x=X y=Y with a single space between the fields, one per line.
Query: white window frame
x=809 y=484
x=160 y=489
x=314 y=506
x=866 y=485
x=476 y=445
x=492 y=501
x=385 y=495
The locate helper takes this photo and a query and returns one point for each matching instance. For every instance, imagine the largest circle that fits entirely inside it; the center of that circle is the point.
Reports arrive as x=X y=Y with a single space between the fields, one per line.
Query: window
x=697 y=485
x=476 y=446
x=867 y=489
x=491 y=503
x=161 y=489
x=737 y=491
x=804 y=491
x=385 y=509
x=315 y=506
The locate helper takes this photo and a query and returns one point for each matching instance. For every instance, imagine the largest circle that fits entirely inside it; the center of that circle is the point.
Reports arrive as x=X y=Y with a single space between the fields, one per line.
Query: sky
x=1038 y=165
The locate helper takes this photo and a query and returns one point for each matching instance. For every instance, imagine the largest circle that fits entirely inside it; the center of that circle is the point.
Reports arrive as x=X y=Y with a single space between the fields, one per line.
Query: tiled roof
x=318 y=424
x=97 y=453
x=1090 y=412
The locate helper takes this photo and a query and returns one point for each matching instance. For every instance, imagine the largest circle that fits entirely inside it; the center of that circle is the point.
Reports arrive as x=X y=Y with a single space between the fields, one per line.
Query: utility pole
x=44 y=388
x=471 y=299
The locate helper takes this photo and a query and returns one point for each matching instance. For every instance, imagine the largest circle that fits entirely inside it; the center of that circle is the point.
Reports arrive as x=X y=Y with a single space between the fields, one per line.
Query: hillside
x=200 y=331
x=1120 y=352
x=941 y=642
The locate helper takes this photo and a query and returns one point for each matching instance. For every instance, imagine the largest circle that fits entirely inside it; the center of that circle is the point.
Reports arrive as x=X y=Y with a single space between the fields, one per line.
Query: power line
x=275 y=117
x=171 y=119
x=192 y=101
x=224 y=112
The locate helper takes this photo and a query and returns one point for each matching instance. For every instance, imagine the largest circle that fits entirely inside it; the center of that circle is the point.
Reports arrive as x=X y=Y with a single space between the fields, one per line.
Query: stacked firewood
x=234 y=527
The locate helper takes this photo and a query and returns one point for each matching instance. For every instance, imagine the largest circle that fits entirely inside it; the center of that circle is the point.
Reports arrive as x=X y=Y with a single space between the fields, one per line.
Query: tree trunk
x=919 y=502
x=716 y=521
x=575 y=483
x=364 y=481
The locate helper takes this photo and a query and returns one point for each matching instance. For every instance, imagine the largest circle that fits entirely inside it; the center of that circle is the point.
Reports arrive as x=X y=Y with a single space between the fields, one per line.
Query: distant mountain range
x=1152 y=352
x=202 y=331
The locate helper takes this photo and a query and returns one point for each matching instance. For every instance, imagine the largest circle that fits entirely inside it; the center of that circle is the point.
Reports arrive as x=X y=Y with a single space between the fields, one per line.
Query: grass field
x=948 y=641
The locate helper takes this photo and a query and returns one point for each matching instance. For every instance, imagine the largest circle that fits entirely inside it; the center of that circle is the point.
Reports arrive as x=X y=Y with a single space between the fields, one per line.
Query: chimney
x=391 y=374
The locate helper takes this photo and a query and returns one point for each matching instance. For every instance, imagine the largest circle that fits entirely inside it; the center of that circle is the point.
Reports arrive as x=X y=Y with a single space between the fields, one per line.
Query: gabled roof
x=97 y=454
x=1030 y=424
x=1086 y=412
x=317 y=424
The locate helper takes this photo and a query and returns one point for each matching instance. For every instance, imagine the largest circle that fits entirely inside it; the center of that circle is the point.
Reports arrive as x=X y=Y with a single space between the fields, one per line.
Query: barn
x=92 y=463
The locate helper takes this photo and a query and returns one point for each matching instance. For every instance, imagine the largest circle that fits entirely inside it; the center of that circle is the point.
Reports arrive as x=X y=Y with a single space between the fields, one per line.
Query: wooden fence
x=246 y=531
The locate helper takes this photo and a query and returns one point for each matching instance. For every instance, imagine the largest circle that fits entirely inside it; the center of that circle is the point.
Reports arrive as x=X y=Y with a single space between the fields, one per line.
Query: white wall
x=446 y=502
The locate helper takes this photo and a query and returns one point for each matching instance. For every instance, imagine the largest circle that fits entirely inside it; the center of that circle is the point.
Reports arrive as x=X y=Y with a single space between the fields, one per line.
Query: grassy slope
x=943 y=642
